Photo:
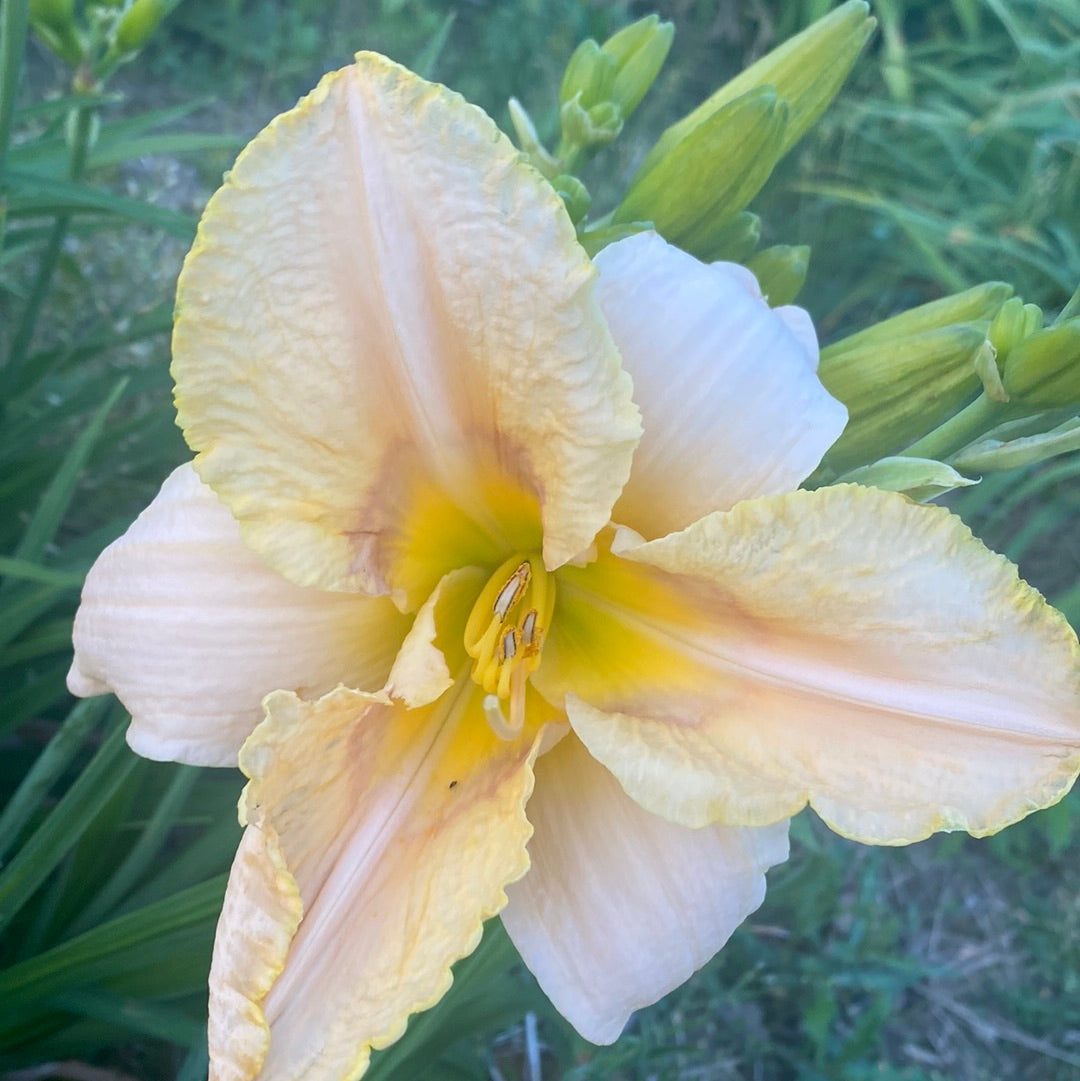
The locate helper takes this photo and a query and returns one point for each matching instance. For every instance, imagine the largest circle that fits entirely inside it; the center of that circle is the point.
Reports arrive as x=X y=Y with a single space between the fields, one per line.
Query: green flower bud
x=978 y=306
x=1043 y=371
x=529 y=141
x=589 y=76
x=732 y=241
x=897 y=388
x=1015 y=322
x=921 y=479
x=584 y=128
x=712 y=174
x=781 y=271
x=990 y=455
x=1007 y=329
x=986 y=369
x=574 y=194
x=138 y=23
x=639 y=51
x=806 y=72
x=54 y=22
x=595 y=240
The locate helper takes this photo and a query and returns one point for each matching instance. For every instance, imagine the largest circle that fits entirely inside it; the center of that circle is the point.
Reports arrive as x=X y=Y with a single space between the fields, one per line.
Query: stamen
x=497 y=721
x=509 y=594
x=508 y=645
x=528 y=628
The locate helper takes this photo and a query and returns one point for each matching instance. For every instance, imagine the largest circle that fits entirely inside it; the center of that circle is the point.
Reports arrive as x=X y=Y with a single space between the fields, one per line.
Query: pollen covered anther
x=504 y=636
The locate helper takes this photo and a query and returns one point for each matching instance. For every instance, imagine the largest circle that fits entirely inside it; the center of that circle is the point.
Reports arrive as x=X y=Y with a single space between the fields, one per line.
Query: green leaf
x=65 y=824
x=57 y=497
x=142 y=938
x=47 y=768
x=151 y=840
x=33 y=195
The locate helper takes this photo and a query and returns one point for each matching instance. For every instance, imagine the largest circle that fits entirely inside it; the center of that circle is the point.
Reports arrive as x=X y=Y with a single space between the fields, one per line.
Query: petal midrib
x=683 y=641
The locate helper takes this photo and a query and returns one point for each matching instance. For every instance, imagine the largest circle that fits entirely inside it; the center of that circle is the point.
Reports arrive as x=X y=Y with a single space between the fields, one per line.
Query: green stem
x=83 y=125
x=14 y=19
x=959 y=430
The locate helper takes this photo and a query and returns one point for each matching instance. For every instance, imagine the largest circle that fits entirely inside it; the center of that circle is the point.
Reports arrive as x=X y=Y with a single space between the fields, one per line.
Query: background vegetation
x=951 y=158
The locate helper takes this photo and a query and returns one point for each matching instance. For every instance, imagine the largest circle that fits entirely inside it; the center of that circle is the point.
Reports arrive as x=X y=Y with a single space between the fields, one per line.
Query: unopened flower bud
x=897 y=388
x=1043 y=371
x=711 y=175
x=584 y=128
x=1015 y=322
x=574 y=194
x=639 y=51
x=529 y=141
x=589 y=76
x=733 y=241
x=138 y=23
x=995 y=455
x=781 y=271
x=54 y=22
x=806 y=72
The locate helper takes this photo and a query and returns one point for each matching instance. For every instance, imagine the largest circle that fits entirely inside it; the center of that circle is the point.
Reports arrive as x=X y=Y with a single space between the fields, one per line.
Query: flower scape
x=492 y=573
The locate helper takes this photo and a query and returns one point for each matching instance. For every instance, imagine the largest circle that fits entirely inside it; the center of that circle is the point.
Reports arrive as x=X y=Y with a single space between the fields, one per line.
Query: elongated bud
x=733 y=241
x=583 y=129
x=138 y=23
x=806 y=72
x=781 y=272
x=897 y=389
x=589 y=76
x=574 y=194
x=995 y=455
x=638 y=51
x=712 y=174
x=1015 y=322
x=596 y=239
x=920 y=479
x=529 y=141
x=1043 y=371
x=977 y=306
x=54 y=22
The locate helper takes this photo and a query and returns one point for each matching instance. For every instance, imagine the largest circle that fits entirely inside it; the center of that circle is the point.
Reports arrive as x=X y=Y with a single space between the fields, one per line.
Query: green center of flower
x=505 y=635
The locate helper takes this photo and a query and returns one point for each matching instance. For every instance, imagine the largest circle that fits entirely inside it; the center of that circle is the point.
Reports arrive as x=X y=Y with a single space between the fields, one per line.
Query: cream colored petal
x=400 y=829
x=620 y=907
x=191 y=629
x=728 y=388
x=387 y=312
x=844 y=647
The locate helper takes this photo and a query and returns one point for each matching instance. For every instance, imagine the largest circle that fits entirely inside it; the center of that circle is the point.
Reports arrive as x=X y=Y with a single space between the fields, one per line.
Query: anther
x=509 y=594
x=508 y=645
x=528 y=628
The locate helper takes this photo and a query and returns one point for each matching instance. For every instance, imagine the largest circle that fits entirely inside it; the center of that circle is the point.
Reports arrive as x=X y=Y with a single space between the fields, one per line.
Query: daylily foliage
x=491 y=572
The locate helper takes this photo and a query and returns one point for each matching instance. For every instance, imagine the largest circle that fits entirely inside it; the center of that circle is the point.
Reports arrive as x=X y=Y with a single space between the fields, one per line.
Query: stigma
x=505 y=636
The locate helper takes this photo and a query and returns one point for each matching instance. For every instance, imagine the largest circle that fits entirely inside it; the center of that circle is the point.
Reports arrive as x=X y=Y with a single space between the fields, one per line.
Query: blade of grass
x=126 y=942
x=152 y=839
x=56 y=499
x=24 y=570
x=141 y=1018
x=65 y=824
x=47 y=768
x=14 y=19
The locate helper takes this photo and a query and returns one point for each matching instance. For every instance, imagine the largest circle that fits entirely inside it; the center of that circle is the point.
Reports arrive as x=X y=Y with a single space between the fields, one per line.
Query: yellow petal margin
x=398 y=830
x=384 y=302
x=843 y=647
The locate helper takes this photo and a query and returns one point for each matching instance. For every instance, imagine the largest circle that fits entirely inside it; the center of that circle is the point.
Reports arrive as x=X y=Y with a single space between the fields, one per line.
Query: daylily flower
x=412 y=533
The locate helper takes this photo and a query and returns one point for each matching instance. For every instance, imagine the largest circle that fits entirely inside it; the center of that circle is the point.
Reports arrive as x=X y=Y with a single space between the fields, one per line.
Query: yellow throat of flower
x=505 y=635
